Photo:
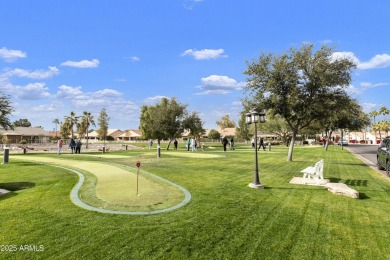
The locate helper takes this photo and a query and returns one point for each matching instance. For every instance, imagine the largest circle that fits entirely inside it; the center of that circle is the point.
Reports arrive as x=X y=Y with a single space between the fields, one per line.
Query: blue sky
x=63 y=56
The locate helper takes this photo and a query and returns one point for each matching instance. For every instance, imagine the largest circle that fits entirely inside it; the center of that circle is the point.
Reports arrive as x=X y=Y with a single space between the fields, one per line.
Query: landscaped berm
x=190 y=205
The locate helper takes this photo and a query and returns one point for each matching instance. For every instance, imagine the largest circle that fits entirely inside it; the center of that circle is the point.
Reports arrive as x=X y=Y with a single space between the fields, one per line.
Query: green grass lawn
x=224 y=220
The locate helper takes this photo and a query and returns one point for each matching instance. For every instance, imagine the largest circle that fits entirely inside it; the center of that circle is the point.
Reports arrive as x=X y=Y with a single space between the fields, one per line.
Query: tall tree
x=276 y=125
x=374 y=114
x=103 y=122
x=214 y=134
x=193 y=122
x=345 y=114
x=87 y=120
x=22 y=122
x=243 y=130
x=163 y=120
x=385 y=126
x=5 y=111
x=71 y=122
x=65 y=129
x=384 y=111
x=56 y=122
x=226 y=122
x=297 y=85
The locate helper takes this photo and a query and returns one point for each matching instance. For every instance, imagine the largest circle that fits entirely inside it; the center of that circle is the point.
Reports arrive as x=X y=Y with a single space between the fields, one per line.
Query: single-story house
x=30 y=134
x=114 y=133
x=130 y=135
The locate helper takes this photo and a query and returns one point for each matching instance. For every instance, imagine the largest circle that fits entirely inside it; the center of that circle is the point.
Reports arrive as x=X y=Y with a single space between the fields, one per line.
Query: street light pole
x=254 y=117
x=256 y=180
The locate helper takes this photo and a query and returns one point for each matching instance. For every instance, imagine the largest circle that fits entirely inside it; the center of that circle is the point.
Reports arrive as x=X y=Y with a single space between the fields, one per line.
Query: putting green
x=116 y=187
x=190 y=154
x=99 y=155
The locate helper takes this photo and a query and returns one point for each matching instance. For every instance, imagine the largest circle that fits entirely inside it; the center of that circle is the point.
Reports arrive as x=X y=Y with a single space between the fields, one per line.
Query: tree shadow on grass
x=15 y=186
x=354 y=164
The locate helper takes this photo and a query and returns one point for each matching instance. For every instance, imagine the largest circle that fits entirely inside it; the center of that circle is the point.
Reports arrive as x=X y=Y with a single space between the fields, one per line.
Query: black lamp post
x=255 y=117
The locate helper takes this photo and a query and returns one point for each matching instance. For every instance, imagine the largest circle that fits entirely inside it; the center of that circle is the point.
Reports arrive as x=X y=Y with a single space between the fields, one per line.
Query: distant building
x=130 y=135
x=230 y=131
x=29 y=134
x=114 y=133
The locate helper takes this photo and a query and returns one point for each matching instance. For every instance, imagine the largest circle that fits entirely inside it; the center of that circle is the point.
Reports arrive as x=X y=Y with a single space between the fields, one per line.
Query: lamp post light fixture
x=252 y=118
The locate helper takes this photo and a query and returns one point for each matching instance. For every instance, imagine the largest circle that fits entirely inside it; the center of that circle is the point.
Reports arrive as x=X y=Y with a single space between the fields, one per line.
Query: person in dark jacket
x=262 y=143
x=224 y=142
x=78 y=146
x=72 y=145
x=232 y=144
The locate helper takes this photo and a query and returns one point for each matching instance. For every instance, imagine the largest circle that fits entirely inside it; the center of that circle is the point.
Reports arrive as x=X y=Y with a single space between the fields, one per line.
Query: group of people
x=74 y=146
x=192 y=143
x=225 y=142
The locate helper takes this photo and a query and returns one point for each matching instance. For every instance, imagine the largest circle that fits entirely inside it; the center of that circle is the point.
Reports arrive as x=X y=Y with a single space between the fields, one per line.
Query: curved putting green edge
x=78 y=202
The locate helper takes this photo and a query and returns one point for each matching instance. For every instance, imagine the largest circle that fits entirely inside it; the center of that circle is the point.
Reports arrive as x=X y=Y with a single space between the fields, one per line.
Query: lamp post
x=255 y=117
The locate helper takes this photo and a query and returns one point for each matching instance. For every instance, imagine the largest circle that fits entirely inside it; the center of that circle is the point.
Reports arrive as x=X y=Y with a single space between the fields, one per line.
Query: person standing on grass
x=262 y=143
x=188 y=144
x=224 y=142
x=59 y=145
x=253 y=142
x=78 y=146
x=193 y=144
x=150 y=144
x=175 y=144
x=72 y=145
x=232 y=144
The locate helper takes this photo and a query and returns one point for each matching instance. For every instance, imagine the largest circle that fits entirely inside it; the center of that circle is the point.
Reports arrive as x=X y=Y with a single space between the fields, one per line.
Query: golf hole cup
x=138 y=164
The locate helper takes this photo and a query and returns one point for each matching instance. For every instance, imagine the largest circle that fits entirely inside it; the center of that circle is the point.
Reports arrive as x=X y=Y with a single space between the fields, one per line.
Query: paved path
x=366 y=153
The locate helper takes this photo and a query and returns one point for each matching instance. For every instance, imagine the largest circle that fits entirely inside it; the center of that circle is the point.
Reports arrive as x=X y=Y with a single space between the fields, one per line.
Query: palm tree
x=377 y=127
x=385 y=126
x=71 y=120
x=384 y=111
x=87 y=121
x=56 y=122
x=374 y=114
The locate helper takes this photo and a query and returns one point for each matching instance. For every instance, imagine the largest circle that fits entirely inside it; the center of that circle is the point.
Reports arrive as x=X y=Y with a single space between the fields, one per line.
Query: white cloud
x=11 y=55
x=368 y=107
x=190 y=4
x=373 y=85
x=121 y=80
x=204 y=54
x=345 y=55
x=52 y=107
x=353 y=90
x=105 y=93
x=35 y=74
x=153 y=100
x=218 y=85
x=95 y=101
x=33 y=91
x=82 y=64
x=68 y=92
x=135 y=58
x=378 y=61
